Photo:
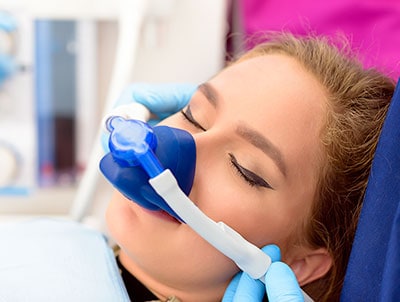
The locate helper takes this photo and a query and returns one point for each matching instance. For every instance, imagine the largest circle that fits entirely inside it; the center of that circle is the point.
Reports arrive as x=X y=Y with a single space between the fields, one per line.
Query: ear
x=313 y=265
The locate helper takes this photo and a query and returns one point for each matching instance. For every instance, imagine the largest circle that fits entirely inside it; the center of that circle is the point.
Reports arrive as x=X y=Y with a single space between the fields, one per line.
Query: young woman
x=284 y=137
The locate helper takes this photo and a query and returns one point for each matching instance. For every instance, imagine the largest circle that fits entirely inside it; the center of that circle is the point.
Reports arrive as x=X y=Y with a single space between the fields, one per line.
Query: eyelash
x=253 y=180
x=189 y=117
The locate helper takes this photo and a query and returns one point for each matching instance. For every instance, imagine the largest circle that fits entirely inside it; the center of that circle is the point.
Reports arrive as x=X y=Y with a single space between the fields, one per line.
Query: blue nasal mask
x=139 y=152
x=154 y=167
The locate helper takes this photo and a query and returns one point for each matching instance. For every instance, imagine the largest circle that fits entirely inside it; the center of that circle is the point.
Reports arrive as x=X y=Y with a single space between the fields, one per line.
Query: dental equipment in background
x=142 y=163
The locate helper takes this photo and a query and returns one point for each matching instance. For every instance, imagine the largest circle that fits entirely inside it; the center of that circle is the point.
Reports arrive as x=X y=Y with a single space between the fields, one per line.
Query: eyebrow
x=261 y=142
x=210 y=93
x=252 y=136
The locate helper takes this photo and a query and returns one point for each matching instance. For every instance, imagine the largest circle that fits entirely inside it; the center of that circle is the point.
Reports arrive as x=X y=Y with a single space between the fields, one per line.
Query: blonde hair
x=358 y=100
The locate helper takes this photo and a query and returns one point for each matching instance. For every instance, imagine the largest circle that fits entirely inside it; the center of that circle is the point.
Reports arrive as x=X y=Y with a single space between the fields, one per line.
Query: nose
x=174 y=148
x=210 y=151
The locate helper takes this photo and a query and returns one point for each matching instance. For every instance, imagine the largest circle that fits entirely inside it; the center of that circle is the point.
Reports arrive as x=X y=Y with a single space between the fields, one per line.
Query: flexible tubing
x=131 y=15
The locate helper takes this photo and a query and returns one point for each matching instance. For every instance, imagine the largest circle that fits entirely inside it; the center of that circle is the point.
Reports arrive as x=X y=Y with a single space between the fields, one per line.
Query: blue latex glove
x=162 y=100
x=280 y=283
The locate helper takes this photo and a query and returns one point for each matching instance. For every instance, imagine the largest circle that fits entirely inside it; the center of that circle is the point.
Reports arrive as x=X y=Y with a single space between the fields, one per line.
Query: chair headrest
x=373 y=270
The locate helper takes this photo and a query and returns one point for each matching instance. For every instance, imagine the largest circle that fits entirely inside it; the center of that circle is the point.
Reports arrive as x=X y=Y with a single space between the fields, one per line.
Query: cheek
x=261 y=219
x=117 y=217
x=221 y=199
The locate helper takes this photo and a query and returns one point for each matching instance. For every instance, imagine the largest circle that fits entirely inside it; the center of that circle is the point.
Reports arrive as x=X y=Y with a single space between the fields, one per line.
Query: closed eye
x=187 y=114
x=250 y=177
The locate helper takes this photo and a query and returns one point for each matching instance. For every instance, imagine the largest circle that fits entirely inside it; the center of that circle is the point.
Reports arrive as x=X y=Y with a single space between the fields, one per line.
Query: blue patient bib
x=57 y=260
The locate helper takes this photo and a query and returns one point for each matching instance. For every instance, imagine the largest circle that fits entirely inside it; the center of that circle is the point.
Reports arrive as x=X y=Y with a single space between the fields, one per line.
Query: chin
x=118 y=217
x=135 y=228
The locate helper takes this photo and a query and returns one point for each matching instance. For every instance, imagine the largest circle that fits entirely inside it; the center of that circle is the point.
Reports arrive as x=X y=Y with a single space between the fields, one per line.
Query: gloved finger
x=162 y=98
x=231 y=289
x=273 y=252
x=281 y=284
x=244 y=288
x=249 y=290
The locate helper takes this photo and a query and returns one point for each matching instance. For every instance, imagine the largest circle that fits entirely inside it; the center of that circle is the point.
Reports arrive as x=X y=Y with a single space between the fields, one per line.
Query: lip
x=160 y=214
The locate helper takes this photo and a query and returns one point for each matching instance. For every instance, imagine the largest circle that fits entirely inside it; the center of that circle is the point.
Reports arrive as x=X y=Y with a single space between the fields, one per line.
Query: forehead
x=277 y=96
x=269 y=81
x=272 y=78
x=275 y=72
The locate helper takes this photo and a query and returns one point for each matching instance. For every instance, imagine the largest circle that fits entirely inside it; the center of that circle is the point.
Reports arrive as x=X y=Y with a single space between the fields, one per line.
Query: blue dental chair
x=373 y=272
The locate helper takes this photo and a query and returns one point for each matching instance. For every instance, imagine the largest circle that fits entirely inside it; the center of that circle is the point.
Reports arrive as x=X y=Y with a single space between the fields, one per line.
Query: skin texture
x=275 y=97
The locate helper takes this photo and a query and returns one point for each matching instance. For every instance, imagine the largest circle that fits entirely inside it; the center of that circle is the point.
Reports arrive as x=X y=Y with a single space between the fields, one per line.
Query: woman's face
x=256 y=126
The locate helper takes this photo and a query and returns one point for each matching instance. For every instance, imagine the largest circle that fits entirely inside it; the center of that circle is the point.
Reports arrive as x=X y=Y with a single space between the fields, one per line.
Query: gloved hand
x=162 y=100
x=280 y=283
